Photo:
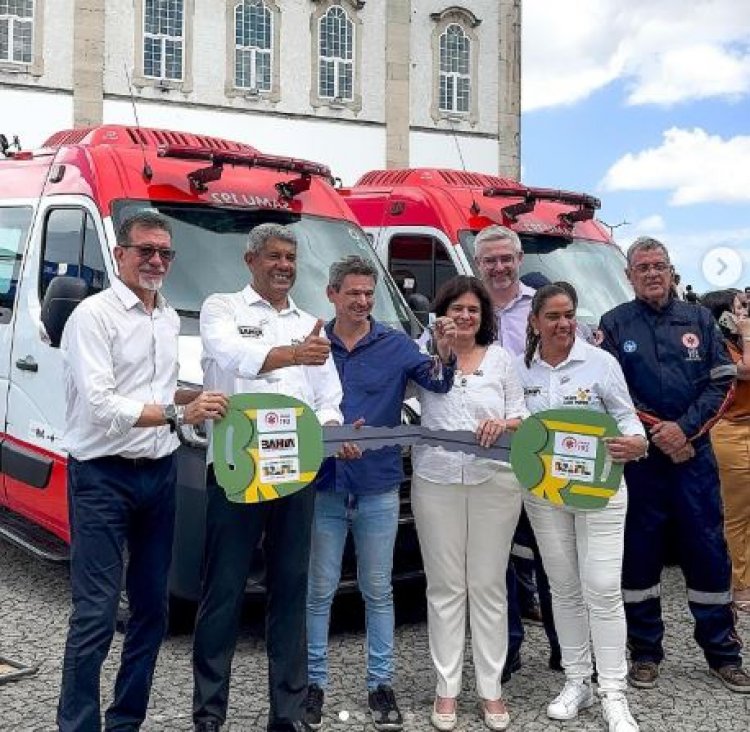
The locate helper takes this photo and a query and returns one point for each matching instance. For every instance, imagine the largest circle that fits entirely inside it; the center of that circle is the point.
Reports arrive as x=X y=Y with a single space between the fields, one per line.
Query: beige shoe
x=444 y=721
x=495 y=720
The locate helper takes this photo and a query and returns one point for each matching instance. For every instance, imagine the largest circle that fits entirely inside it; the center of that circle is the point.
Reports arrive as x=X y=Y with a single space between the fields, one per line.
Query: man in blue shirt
x=375 y=363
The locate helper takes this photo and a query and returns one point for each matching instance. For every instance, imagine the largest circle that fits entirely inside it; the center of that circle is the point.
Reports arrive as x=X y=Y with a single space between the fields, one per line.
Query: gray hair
x=148 y=219
x=646 y=244
x=496 y=233
x=260 y=235
x=351 y=265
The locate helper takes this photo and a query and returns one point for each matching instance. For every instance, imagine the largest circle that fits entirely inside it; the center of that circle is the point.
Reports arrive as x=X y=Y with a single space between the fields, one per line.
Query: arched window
x=253 y=33
x=455 y=70
x=163 y=39
x=336 y=55
x=16 y=31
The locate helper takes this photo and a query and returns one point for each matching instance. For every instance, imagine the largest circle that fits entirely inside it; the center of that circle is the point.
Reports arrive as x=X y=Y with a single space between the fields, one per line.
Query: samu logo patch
x=630 y=346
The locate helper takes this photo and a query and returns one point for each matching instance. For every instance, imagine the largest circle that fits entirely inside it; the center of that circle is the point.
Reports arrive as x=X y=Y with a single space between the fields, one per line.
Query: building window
x=455 y=74
x=336 y=59
x=163 y=39
x=253 y=33
x=16 y=31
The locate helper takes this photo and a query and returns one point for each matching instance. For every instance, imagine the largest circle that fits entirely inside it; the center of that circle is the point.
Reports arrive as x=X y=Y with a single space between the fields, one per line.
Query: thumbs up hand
x=314 y=350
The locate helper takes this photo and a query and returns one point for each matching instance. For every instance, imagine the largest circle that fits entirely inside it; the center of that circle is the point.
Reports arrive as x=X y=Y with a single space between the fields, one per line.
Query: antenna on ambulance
x=148 y=172
x=474 y=205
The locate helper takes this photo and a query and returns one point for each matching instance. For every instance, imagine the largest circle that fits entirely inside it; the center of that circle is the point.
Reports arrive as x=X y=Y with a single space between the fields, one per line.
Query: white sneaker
x=616 y=713
x=576 y=695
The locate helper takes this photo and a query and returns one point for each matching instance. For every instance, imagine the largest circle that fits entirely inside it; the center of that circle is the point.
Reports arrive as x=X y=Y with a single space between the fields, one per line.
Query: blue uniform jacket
x=674 y=360
x=374 y=376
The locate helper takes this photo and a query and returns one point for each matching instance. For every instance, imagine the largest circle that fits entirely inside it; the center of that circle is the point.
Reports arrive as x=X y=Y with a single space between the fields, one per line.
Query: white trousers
x=465 y=533
x=582 y=554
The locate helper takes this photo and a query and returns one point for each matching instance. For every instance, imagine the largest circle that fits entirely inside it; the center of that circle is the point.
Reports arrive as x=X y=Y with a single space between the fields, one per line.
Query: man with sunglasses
x=120 y=366
x=680 y=378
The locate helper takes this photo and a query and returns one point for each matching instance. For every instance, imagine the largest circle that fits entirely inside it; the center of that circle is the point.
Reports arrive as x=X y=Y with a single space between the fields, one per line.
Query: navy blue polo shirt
x=374 y=376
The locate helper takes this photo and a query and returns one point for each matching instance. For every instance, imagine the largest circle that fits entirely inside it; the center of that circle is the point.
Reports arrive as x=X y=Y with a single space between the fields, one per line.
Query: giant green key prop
x=268 y=446
x=561 y=455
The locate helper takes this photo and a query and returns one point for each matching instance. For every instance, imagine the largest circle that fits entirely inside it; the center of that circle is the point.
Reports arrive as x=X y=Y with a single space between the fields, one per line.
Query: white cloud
x=650 y=226
x=666 y=50
x=695 y=166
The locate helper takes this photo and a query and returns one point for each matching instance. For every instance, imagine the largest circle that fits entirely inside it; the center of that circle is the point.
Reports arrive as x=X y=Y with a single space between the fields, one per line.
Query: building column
x=88 y=62
x=509 y=97
x=397 y=108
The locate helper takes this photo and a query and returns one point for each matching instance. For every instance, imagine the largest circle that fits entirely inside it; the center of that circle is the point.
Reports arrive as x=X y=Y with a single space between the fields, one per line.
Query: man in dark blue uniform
x=680 y=378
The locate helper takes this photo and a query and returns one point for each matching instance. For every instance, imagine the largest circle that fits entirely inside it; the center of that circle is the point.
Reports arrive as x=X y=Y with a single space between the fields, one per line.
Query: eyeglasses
x=492 y=261
x=658 y=267
x=166 y=255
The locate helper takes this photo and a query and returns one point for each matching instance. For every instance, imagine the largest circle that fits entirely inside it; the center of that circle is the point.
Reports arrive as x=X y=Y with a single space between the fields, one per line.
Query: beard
x=150 y=282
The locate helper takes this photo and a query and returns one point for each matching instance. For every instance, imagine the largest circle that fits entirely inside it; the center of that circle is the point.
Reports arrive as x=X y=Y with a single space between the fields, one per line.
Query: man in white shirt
x=258 y=340
x=120 y=366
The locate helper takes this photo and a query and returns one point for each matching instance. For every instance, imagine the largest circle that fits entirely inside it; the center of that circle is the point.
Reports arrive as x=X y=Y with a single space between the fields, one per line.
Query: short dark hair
x=146 y=219
x=351 y=265
x=460 y=285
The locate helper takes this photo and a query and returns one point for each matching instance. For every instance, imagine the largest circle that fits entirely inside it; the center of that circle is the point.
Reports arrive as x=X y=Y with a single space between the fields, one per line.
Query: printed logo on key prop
x=561 y=456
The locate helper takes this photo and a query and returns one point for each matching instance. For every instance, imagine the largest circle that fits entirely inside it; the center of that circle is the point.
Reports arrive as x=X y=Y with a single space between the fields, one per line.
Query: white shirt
x=239 y=329
x=492 y=391
x=589 y=378
x=116 y=359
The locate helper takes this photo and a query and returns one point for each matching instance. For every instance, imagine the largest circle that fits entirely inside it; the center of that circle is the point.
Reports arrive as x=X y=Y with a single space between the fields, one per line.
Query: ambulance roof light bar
x=218 y=158
x=586 y=205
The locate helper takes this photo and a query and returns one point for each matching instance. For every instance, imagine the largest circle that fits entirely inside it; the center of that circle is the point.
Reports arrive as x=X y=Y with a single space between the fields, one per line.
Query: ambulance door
x=67 y=240
x=15 y=221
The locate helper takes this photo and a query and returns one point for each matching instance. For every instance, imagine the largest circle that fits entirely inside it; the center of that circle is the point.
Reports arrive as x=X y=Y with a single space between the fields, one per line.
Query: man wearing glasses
x=498 y=256
x=679 y=375
x=120 y=367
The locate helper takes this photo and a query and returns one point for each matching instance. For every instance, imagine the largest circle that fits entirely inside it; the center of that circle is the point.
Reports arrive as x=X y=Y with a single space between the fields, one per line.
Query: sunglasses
x=166 y=255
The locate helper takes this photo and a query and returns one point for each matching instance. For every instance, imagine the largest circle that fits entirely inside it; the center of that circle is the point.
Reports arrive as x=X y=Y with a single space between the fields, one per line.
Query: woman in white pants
x=582 y=549
x=466 y=508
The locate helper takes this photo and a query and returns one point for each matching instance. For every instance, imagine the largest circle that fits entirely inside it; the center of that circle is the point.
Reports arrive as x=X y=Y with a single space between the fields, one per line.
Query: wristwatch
x=173 y=416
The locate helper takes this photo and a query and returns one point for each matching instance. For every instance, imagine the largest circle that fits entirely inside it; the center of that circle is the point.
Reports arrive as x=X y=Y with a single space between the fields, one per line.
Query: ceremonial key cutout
x=561 y=455
x=267 y=446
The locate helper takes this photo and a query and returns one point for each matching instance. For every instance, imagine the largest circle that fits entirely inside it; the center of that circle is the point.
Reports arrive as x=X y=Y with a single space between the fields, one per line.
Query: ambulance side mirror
x=62 y=296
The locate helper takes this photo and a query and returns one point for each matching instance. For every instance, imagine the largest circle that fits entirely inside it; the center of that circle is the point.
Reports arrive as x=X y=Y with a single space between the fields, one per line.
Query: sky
x=646 y=104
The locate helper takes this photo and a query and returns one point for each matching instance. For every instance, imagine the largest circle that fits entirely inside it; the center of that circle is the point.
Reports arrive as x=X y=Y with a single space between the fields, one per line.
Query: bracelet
x=294 y=356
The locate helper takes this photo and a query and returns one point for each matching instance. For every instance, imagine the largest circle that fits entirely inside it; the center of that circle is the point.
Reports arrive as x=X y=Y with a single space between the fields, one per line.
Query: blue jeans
x=373 y=520
x=114 y=502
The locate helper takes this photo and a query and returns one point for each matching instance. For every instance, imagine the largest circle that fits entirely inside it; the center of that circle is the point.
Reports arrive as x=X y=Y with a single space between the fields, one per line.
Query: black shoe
x=511 y=666
x=313 y=715
x=298 y=726
x=383 y=708
x=532 y=614
x=207 y=725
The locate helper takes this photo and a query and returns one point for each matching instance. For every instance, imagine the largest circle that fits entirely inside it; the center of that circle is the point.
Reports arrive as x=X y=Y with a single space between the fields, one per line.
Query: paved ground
x=33 y=616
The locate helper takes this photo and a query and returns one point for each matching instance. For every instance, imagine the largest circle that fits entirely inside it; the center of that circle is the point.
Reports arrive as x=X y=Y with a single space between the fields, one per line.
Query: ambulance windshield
x=595 y=269
x=211 y=241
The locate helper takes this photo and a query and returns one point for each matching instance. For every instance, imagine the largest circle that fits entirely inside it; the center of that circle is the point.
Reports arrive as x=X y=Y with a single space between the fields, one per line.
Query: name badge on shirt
x=250 y=331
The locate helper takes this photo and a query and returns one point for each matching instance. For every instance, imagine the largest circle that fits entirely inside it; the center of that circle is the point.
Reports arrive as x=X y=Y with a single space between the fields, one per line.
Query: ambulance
x=422 y=222
x=60 y=206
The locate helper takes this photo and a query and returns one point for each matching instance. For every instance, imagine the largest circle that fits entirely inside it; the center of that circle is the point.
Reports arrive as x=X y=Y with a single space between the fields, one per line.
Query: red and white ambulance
x=422 y=222
x=59 y=209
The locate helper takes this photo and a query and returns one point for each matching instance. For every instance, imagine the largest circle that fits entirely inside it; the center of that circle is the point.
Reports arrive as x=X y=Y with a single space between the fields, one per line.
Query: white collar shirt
x=492 y=391
x=239 y=329
x=589 y=378
x=117 y=358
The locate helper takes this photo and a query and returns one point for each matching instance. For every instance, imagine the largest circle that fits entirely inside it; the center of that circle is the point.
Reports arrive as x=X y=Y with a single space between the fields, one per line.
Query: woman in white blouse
x=582 y=549
x=466 y=508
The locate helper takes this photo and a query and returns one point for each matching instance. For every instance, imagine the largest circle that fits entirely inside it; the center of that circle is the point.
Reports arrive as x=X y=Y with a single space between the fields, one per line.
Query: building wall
x=395 y=123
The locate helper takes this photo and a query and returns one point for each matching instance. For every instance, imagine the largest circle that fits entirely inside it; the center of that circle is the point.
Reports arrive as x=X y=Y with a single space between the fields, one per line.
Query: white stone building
x=355 y=84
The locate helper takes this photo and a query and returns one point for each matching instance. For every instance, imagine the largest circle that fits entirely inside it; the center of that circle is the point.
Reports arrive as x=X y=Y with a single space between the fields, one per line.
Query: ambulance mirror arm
x=62 y=295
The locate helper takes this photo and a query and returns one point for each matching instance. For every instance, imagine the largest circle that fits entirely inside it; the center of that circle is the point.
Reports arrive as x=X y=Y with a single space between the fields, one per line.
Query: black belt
x=132 y=462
